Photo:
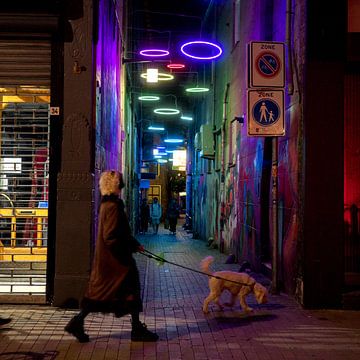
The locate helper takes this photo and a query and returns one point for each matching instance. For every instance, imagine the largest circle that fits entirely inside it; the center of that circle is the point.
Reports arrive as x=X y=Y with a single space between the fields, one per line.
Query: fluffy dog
x=239 y=285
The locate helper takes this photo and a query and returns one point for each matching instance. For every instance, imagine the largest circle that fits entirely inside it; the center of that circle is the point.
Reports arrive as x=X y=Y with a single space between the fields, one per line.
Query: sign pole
x=274 y=192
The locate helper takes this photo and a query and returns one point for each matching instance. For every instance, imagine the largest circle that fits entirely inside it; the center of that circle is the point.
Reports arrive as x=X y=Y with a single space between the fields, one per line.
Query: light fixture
x=166 y=111
x=173 y=140
x=156 y=128
x=188 y=118
x=157 y=157
x=162 y=161
x=200 y=46
x=169 y=151
x=175 y=66
x=161 y=76
x=154 y=52
x=197 y=89
x=152 y=75
x=149 y=98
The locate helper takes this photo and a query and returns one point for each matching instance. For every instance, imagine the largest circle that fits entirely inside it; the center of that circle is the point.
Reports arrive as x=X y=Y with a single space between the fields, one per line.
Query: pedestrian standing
x=155 y=214
x=144 y=216
x=114 y=285
x=172 y=215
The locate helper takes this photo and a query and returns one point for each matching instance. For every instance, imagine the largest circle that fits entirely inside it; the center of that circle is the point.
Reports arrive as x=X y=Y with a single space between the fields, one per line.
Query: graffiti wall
x=245 y=226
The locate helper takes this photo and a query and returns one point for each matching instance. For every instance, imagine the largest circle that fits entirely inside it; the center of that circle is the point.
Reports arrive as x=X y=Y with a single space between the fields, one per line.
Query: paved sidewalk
x=279 y=330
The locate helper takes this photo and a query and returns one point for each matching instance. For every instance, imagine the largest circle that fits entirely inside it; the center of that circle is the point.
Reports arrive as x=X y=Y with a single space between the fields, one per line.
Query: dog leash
x=162 y=260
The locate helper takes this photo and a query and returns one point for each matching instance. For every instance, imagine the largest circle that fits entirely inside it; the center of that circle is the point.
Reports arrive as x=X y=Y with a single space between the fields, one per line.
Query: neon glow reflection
x=154 y=52
x=199 y=45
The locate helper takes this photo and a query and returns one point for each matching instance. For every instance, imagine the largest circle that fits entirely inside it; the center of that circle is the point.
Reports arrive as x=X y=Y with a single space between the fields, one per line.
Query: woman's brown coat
x=114 y=276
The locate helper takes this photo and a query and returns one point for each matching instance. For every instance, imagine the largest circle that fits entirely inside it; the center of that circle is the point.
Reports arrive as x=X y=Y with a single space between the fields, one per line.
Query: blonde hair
x=110 y=182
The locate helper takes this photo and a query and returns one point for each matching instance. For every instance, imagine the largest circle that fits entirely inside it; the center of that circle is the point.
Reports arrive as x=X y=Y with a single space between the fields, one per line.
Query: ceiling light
x=154 y=52
x=173 y=140
x=149 y=98
x=152 y=75
x=161 y=76
x=162 y=161
x=156 y=128
x=197 y=89
x=189 y=118
x=200 y=46
x=166 y=111
x=175 y=66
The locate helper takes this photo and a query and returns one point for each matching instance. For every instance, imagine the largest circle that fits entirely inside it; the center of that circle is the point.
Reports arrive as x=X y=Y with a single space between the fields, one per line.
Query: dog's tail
x=205 y=264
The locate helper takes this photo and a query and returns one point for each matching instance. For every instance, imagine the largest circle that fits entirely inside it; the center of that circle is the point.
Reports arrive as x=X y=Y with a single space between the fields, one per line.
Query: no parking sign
x=266 y=112
x=266 y=64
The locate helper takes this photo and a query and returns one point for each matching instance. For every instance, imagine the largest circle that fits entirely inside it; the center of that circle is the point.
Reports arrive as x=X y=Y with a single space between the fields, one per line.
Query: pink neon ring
x=154 y=52
x=175 y=66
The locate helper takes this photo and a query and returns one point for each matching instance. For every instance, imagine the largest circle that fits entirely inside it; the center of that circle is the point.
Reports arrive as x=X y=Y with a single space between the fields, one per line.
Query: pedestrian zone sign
x=267 y=68
x=266 y=113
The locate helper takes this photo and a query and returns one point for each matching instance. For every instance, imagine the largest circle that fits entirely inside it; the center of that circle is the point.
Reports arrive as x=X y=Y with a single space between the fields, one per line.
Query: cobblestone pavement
x=173 y=297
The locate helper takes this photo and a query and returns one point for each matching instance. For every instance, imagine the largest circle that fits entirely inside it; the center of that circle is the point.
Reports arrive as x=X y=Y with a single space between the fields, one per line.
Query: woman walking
x=114 y=284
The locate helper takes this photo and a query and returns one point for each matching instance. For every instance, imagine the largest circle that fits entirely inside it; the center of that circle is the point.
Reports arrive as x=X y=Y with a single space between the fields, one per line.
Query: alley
x=173 y=297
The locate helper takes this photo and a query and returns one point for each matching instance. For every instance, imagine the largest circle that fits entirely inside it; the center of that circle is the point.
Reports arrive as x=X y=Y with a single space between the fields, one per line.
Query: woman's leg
x=139 y=331
x=75 y=326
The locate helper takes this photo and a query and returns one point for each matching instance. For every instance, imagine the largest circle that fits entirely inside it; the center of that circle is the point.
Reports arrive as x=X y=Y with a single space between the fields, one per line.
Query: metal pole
x=274 y=192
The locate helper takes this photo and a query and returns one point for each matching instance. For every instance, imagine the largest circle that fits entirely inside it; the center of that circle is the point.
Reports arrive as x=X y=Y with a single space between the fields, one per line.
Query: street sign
x=267 y=68
x=266 y=113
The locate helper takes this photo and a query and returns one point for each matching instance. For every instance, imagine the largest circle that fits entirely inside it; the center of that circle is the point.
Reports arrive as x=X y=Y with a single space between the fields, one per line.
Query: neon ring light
x=148 y=98
x=197 y=89
x=154 y=52
x=161 y=77
x=175 y=66
x=166 y=111
x=201 y=43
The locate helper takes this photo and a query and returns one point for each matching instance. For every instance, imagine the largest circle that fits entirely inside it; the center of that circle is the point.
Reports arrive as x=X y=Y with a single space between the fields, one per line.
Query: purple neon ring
x=154 y=52
x=199 y=42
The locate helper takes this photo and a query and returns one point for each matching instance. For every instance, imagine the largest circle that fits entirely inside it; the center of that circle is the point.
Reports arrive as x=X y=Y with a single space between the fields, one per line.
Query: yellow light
x=152 y=75
x=161 y=76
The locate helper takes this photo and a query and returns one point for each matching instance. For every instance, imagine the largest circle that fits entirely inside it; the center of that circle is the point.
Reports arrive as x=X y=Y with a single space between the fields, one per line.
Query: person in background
x=114 y=285
x=172 y=214
x=144 y=216
x=155 y=214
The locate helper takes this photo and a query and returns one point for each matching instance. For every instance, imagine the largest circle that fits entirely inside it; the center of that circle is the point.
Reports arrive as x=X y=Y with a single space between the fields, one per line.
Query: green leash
x=160 y=259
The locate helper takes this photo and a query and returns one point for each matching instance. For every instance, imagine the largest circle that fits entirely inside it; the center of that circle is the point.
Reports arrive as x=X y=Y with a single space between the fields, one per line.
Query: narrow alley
x=173 y=298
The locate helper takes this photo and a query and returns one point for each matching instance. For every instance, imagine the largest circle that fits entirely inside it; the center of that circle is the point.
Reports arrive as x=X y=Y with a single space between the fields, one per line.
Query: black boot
x=4 y=321
x=140 y=332
x=76 y=327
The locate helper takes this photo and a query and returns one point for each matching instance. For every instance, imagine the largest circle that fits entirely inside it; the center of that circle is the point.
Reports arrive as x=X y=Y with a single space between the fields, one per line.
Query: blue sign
x=266 y=112
x=268 y=64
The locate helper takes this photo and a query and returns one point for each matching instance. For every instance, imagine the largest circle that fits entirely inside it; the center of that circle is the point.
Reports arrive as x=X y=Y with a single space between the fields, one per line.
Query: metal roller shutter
x=24 y=62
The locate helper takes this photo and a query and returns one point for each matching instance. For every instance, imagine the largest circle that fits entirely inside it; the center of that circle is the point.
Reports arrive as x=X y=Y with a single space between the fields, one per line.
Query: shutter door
x=25 y=69
x=25 y=62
